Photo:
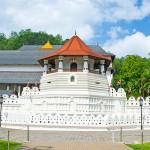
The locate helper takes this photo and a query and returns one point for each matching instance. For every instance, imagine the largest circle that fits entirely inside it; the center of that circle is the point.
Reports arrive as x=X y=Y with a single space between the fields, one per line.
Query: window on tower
x=72 y=79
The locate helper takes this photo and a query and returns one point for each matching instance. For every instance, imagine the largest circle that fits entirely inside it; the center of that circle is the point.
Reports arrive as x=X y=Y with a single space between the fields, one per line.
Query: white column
x=60 y=64
x=19 y=90
x=45 y=65
x=85 y=63
x=7 y=87
x=102 y=62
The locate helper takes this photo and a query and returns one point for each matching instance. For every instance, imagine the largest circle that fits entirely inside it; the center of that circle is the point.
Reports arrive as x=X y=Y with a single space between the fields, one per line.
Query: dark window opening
x=73 y=67
x=72 y=79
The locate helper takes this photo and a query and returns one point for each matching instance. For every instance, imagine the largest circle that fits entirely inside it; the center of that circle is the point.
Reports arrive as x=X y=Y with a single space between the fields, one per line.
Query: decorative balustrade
x=57 y=119
x=119 y=93
x=10 y=100
x=13 y=114
x=133 y=106
x=135 y=102
x=28 y=91
x=78 y=70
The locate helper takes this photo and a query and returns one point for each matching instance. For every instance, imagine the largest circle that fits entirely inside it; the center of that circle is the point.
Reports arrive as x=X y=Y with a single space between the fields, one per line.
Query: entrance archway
x=73 y=67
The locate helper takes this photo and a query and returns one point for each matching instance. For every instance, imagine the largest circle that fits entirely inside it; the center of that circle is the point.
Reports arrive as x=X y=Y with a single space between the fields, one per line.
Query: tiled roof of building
x=28 y=54
x=98 y=49
x=20 y=77
x=75 y=47
x=36 y=47
x=20 y=57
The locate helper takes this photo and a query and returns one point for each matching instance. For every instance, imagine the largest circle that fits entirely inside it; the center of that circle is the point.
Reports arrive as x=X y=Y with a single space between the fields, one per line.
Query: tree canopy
x=27 y=37
x=134 y=73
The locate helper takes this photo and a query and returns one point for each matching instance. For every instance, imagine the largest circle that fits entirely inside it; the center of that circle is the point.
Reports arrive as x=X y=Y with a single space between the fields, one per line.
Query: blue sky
x=121 y=27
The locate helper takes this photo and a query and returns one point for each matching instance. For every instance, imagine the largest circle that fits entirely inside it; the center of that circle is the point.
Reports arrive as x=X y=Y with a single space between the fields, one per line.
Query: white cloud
x=83 y=30
x=59 y=17
x=65 y=16
x=115 y=32
x=114 y=10
x=135 y=44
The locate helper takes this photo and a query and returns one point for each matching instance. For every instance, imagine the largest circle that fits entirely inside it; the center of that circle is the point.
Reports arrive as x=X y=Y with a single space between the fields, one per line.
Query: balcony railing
x=79 y=70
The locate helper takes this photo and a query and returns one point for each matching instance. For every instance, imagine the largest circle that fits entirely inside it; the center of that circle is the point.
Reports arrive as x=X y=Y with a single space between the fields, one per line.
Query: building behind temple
x=20 y=67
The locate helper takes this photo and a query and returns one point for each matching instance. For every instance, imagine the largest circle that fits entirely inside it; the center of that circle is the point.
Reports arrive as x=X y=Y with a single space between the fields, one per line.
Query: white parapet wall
x=33 y=109
x=119 y=93
x=132 y=105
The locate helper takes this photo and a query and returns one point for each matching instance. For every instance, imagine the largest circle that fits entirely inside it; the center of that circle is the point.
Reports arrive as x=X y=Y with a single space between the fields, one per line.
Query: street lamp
x=141 y=104
x=1 y=102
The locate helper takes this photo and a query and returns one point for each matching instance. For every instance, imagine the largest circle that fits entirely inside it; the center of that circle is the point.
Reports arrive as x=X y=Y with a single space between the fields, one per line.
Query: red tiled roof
x=74 y=47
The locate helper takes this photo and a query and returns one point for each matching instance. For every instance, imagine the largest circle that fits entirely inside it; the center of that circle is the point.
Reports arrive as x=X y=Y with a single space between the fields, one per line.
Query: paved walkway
x=130 y=136
x=73 y=146
x=73 y=140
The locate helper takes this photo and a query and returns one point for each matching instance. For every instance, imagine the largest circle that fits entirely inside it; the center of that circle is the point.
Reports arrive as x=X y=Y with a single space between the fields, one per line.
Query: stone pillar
x=102 y=69
x=85 y=64
x=60 y=64
x=45 y=65
x=19 y=90
x=8 y=87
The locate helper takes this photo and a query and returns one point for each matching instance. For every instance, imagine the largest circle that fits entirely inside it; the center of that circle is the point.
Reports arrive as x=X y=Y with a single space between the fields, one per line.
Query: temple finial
x=75 y=33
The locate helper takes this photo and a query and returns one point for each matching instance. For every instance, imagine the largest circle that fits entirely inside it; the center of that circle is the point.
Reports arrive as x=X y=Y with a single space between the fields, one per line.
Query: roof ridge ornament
x=75 y=33
x=46 y=46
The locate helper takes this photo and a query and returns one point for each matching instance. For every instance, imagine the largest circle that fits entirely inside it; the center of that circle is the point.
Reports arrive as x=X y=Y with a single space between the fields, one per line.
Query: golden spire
x=46 y=46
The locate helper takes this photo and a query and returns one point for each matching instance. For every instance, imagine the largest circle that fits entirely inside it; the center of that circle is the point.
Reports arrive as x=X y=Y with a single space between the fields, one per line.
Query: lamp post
x=141 y=104
x=1 y=102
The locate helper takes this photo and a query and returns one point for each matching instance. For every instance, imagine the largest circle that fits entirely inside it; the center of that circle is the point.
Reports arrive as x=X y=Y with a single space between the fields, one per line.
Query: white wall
x=67 y=61
x=21 y=68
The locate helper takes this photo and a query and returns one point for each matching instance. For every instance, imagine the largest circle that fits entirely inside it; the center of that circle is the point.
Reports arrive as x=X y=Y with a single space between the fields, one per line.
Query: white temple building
x=74 y=91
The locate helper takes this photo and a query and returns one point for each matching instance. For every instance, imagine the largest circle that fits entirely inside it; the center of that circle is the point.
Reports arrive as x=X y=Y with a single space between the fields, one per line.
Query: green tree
x=134 y=73
x=27 y=37
x=117 y=65
x=2 y=37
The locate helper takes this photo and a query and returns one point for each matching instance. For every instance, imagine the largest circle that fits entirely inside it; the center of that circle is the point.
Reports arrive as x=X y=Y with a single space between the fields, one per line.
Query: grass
x=12 y=145
x=139 y=147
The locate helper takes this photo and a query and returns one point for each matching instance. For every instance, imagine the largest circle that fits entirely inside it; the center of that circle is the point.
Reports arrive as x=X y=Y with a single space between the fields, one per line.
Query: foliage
x=27 y=37
x=12 y=145
x=134 y=73
x=146 y=146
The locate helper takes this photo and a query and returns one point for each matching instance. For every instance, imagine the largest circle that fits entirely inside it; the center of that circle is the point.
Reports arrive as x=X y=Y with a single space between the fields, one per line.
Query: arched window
x=73 y=67
x=72 y=79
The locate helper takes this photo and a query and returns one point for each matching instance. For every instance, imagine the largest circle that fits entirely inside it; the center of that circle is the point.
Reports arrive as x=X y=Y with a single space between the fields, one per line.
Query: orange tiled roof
x=74 y=47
